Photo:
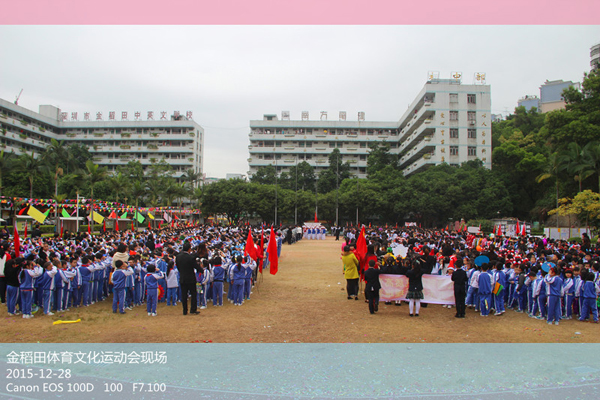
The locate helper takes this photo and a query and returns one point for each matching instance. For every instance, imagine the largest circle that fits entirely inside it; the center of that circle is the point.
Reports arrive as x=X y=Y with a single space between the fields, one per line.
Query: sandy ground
x=304 y=303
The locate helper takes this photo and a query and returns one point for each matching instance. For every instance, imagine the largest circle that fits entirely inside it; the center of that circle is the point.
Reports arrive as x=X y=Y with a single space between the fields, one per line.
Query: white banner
x=436 y=289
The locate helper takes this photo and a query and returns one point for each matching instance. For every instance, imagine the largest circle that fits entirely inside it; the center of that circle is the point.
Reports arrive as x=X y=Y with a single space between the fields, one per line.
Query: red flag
x=17 y=242
x=396 y=225
x=90 y=227
x=104 y=225
x=159 y=224
x=361 y=244
x=117 y=225
x=61 y=228
x=272 y=249
x=499 y=230
x=447 y=228
x=25 y=233
x=149 y=227
x=132 y=228
x=316 y=220
x=113 y=215
x=524 y=230
x=23 y=210
x=261 y=249
x=517 y=229
x=250 y=249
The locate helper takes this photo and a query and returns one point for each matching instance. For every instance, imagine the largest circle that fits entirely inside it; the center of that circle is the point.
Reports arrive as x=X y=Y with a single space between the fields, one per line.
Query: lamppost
x=296 y=195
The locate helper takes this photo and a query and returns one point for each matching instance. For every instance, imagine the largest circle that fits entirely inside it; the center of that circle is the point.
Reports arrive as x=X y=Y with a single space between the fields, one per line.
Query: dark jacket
x=187 y=266
x=372 y=278
x=414 y=280
x=459 y=277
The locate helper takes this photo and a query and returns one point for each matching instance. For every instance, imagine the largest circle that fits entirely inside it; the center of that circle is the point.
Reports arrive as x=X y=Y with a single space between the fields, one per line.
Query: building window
x=471 y=99
x=453 y=133
x=472 y=134
x=308 y=144
x=453 y=115
x=363 y=145
x=472 y=151
x=331 y=145
x=471 y=117
x=363 y=157
x=453 y=97
x=453 y=150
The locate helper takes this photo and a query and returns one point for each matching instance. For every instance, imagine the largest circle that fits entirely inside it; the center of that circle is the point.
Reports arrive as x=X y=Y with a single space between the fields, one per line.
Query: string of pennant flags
x=69 y=209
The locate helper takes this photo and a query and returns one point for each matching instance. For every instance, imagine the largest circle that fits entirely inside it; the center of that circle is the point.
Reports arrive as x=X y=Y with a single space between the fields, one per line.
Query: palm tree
x=58 y=199
x=6 y=164
x=572 y=162
x=92 y=175
x=190 y=176
x=591 y=160
x=137 y=190
x=54 y=155
x=553 y=168
x=156 y=188
x=31 y=167
x=119 y=183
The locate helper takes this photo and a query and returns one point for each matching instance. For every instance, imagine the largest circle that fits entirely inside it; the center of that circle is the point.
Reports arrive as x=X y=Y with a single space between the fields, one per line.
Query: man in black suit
x=187 y=265
x=459 y=277
x=372 y=286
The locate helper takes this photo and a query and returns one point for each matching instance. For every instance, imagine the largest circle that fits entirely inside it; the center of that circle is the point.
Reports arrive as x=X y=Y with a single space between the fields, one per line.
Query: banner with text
x=436 y=289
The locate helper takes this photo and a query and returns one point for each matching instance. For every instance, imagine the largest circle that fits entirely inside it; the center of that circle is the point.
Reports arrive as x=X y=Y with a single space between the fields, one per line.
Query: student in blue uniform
x=554 y=285
x=485 y=290
x=569 y=294
x=500 y=278
x=543 y=296
x=26 y=280
x=151 y=279
x=119 y=277
x=46 y=285
x=204 y=279
x=85 y=270
x=218 y=278
x=239 y=274
x=249 y=268
x=172 y=284
x=589 y=292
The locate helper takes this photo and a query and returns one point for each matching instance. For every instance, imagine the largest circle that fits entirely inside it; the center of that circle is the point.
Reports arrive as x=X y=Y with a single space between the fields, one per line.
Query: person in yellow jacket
x=350 y=272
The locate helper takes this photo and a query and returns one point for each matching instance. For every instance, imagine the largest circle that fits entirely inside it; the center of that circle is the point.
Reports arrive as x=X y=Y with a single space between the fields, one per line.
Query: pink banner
x=436 y=289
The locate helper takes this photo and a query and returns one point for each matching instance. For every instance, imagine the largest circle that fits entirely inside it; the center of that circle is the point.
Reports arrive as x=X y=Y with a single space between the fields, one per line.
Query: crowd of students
x=548 y=279
x=61 y=273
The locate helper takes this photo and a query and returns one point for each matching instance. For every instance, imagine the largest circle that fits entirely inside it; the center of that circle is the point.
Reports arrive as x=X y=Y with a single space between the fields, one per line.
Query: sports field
x=304 y=303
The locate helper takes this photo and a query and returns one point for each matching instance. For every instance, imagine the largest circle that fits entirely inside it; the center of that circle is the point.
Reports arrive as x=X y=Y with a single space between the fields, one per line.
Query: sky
x=229 y=75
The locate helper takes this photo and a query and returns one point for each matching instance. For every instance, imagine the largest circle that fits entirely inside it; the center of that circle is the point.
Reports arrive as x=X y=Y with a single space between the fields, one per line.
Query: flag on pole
x=61 y=229
x=22 y=210
x=316 y=220
x=47 y=212
x=261 y=249
x=104 y=225
x=97 y=217
x=499 y=230
x=90 y=226
x=361 y=244
x=74 y=211
x=112 y=215
x=17 y=242
x=124 y=216
x=117 y=225
x=517 y=229
x=167 y=217
x=494 y=230
x=272 y=250
x=159 y=224
x=150 y=215
x=64 y=213
x=132 y=228
x=524 y=230
x=149 y=227
x=25 y=233
x=250 y=249
x=36 y=214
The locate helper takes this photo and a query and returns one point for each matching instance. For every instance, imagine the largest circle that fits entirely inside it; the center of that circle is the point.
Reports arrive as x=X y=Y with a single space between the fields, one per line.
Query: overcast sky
x=229 y=75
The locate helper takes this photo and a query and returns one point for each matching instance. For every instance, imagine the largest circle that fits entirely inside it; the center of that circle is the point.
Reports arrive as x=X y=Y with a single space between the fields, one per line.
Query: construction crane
x=18 y=97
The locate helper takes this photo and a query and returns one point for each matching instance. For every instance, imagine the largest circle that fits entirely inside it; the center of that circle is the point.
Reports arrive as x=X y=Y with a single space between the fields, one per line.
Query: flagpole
x=275 y=189
x=77 y=208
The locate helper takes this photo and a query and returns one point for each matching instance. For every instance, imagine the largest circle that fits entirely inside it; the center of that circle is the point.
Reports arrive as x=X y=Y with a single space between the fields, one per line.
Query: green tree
x=264 y=175
x=380 y=157
x=119 y=184
x=93 y=175
x=31 y=167
x=6 y=165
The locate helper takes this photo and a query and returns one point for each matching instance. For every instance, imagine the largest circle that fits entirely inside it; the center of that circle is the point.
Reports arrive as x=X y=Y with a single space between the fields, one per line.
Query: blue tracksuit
x=219 y=276
x=485 y=293
x=569 y=291
x=499 y=297
x=239 y=274
x=554 y=291
x=589 y=306
x=26 y=280
x=152 y=290
x=119 y=277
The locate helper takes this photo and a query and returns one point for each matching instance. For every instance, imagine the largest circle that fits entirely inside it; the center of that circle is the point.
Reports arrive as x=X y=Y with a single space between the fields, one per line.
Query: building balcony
x=416 y=152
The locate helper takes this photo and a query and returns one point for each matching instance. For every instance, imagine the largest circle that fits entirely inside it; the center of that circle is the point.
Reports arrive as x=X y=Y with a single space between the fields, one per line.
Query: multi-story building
x=178 y=140
x=595 y=56
x=447 y=122
x=551 y=94
x=529 y=102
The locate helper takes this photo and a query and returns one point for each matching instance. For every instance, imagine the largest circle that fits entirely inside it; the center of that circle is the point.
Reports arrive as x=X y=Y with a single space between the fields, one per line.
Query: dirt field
x=304 y=303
